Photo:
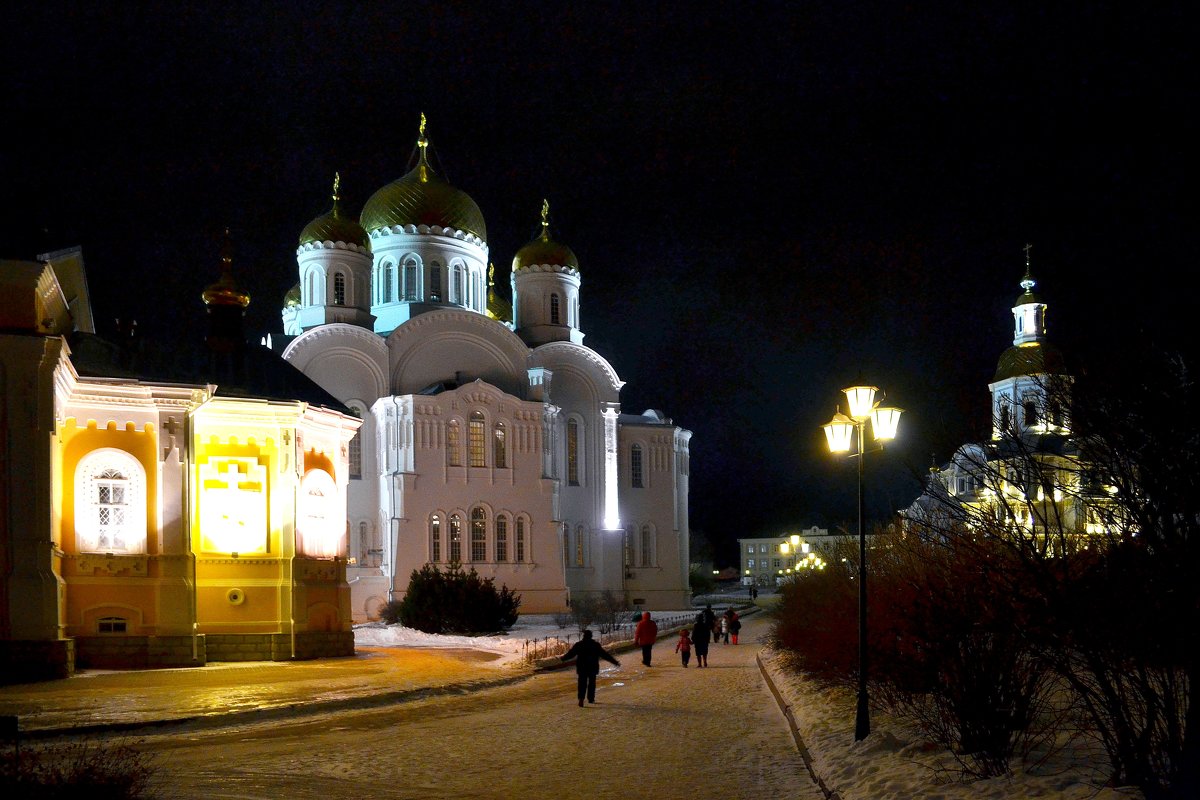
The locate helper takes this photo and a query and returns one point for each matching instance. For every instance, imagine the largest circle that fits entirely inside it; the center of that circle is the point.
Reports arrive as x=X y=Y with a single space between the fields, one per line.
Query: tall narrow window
x=478 y=535
x=339 y=289
x=627 y=547
x=455 y=539
x=635 y=467
x=313 y=299
x=1004 y=422
x=647 y=547
x=572 y=452
x=475 y=439
x=355 y=457
x=566 y=544
x=435 y=283
x=499 y=447
x=501 y=538
x=1031 y=415
x=435 y=539
x=453 y=444
x=579 y=541
x=554 y=313
x=520 y=543
x=389 y=278
x=364 y=543
x=410 y=280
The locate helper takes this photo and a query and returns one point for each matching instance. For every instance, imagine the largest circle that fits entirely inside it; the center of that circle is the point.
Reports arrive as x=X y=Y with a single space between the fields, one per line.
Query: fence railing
x=553 y=646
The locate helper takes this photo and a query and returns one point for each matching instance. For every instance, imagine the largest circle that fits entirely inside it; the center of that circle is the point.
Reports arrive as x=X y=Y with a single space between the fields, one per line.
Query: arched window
x=410 y=279
x=647 y=543
x=501 y=538
x=456 y=284
x=320 y=523
x=475 y=439
x=355 y=456
x=478 y=534
x=1031 y=415
x=554 y=314
x=579 y=541
x=435 y=283
x=453 y=444
x=387 y=294
x=455 y=539
x=520 y=542
x=435 y=539
x=499 y=447
x=635 y=467
x=339 y=289
x=110 y=503
x=572 y=452
x=313 y=298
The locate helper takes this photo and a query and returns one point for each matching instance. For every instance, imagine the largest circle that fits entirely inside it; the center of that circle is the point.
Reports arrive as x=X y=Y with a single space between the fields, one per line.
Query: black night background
x=768 y=201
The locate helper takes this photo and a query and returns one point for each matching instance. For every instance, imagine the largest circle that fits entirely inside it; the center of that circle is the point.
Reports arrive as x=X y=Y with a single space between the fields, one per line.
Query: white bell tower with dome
x=545 y=285
x=334 y=258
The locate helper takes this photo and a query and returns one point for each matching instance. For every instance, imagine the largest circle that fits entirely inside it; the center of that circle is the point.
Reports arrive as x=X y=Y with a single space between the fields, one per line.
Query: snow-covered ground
x=895 y=761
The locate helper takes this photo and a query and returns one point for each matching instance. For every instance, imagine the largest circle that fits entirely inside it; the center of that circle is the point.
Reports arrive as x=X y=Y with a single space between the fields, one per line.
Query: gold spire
x=1027 y=283
x=491 y=275
x=423 y=168
x=545 y=216
x=337 y=181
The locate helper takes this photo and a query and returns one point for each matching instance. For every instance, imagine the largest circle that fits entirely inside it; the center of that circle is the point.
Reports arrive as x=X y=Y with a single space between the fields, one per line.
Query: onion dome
x=1033 y=358
x=498 y=308
x=335 y=226
x=226 y=292
x=292 y=298
x=422 y=197
x=544 y=250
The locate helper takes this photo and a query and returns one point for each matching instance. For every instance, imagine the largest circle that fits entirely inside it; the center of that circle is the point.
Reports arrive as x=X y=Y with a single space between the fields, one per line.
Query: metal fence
x=552 y=646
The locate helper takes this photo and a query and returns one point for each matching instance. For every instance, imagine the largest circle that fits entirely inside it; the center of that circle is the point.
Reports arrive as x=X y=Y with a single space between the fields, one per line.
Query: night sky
x=768 y=201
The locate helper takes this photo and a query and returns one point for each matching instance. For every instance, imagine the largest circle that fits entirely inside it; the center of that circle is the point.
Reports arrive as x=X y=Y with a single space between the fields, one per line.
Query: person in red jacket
x=644 y=635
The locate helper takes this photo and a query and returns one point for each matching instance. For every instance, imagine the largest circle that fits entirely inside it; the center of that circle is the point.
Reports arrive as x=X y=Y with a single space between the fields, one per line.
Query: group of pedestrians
x=587 y=652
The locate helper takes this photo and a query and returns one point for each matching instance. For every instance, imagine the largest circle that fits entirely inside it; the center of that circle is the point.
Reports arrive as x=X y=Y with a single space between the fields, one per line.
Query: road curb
x=786 y=709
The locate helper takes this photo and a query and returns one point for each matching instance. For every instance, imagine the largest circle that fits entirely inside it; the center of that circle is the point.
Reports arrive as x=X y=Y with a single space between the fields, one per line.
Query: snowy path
x=663 y=732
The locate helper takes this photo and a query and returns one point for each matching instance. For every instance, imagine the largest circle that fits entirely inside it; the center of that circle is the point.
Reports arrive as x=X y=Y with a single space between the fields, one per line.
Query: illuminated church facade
x=161 y=507
x=491 y=435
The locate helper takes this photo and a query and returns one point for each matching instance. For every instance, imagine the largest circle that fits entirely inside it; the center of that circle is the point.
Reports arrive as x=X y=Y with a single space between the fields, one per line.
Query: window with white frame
x=110 y=503
x=478 y=534
x=435 y=283
x=554 y=313
x=354 y=456
x=635 y=467
x=112 y=625
x=410 y=279
x=386 y=291
x=749 y=548
x=455 y=538
x=499 y=447
x=501 y=538
x=435 y=539
x=475 y=439
x=520 y=541
x=572 y=452
x=647 y=543
x=339 y=289
x=453 y=444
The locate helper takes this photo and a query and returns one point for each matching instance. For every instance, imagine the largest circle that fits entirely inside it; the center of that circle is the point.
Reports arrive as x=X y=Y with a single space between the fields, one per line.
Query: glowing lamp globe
x=839 y=431
x=884 y=422
x=861 y=400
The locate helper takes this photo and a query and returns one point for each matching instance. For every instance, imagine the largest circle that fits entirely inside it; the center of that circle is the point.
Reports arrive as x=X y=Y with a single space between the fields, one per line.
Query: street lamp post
x=839 y=431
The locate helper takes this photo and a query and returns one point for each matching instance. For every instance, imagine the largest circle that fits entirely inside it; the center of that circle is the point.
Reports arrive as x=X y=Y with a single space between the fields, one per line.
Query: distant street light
x=839 y=431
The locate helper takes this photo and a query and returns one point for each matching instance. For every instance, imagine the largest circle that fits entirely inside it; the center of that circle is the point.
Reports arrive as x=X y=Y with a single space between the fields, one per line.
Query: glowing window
x=453 y=453
x=321 y=521
x=478 y=535
x=499 y=447
x=389 y=279
x=435 y=539
x=502 y=538
x=455 y=539
x=520 y=541
x=572 y=452
x=110 y=503
x=475 y=439
x=339 y=289
x=554 y=314
x=647 y=542
x=635 y=467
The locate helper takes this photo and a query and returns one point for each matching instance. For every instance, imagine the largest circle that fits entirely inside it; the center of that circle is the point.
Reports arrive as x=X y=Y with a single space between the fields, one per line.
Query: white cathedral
x=491 y=436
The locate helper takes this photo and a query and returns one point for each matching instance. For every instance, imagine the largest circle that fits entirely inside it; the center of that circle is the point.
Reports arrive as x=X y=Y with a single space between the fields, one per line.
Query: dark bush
x=454 y=601
x=77 y=770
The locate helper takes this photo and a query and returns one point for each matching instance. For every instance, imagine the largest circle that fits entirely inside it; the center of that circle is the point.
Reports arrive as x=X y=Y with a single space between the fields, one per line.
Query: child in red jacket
x=684 y=646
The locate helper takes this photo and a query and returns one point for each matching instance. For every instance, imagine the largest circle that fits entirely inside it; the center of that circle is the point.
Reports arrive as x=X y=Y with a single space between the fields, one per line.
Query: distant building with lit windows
x=768 y=561
x=491 y=436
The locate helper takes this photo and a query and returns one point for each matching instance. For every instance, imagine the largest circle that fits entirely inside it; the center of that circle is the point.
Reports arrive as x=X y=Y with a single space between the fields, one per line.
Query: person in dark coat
x=587 y=653
x=645 y=635
x=700 y=634
x=710 y=619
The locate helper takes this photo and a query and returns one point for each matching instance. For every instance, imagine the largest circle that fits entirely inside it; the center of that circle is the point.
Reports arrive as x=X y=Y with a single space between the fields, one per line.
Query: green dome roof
x=1035 y=358
x=422 y=198
x=334 y=226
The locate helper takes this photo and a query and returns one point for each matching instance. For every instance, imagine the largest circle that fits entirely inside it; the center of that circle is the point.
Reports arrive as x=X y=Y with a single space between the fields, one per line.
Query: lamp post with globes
x=839 y=431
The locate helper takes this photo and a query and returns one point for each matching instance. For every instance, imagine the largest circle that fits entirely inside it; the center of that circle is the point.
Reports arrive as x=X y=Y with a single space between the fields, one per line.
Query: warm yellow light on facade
x=785 y=548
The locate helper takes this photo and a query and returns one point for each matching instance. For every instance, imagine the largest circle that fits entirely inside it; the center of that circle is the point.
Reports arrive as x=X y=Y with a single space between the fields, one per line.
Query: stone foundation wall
x=278 y=646
x=29 y=661
x=139 y=652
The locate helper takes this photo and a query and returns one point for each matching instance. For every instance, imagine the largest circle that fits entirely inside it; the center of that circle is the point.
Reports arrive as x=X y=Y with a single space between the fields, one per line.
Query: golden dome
x=544 y=250
x=498 y=308
x=225 y=291
x=292 y=298
x=334 y=226
x=422 y=198
x=1033 y=358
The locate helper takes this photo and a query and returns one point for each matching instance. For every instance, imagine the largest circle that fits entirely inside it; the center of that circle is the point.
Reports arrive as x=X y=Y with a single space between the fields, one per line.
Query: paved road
x=662 y=733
